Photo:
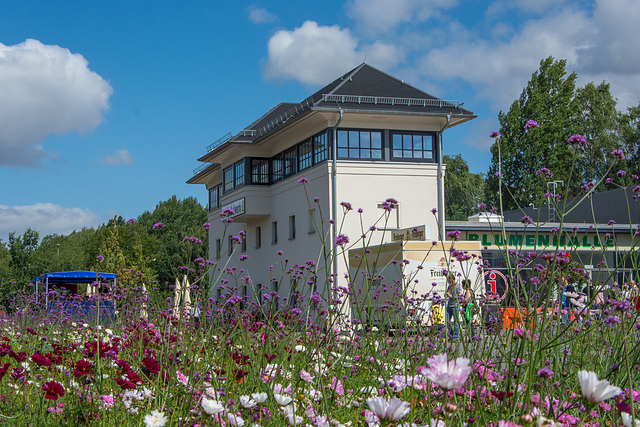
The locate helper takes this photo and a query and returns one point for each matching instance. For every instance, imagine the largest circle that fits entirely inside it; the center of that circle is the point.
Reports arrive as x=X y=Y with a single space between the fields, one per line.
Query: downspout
x=334 y=196
x=441 y=182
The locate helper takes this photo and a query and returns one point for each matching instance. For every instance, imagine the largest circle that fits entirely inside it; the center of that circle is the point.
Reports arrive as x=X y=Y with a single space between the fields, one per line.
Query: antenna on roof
x=365 y=59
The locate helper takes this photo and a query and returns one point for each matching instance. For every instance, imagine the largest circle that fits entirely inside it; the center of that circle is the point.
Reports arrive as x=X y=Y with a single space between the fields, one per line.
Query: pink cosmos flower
x=393 y=409
x=182 y=378
x=447 y=375
x=306 y=376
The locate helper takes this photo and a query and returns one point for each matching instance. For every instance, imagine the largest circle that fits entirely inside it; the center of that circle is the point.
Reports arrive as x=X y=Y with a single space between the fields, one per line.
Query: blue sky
x=105 y=106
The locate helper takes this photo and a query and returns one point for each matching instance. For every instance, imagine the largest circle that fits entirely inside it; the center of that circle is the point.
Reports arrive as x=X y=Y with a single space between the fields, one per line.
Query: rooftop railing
x=388 y=100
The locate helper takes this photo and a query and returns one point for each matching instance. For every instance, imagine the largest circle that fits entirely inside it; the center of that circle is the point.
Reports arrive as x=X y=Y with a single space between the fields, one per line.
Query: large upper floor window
x=305 y=155
x=259 y=171
x=412 y=146
x=214 y=197
x=277 y=168
x=233 y=176
x=354 y=144
x=320 y=148
x=290 y=162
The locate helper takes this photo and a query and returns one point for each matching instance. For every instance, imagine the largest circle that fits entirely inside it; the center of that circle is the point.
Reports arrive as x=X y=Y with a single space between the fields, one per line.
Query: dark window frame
x=353 y=145
x=405 y=148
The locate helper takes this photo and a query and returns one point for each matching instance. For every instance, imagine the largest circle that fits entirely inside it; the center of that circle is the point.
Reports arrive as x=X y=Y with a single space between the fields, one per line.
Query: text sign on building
x=237 y=206
x=496 y=283
x=414 y=233
x=532 y=240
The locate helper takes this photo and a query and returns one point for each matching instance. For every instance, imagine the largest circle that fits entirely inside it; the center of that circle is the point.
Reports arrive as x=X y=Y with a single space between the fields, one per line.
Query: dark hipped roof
x=363 y=89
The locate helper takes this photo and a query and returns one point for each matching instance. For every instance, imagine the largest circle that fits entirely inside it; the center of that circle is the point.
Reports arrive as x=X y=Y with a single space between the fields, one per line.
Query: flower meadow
x=237 y=361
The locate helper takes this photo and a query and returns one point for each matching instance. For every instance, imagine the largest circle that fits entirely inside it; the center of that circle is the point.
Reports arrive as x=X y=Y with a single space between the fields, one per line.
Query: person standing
x=467 y=302
x=453 y=291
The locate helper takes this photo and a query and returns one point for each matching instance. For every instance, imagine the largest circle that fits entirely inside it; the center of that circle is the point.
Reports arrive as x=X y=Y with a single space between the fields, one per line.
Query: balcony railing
x=219 y=142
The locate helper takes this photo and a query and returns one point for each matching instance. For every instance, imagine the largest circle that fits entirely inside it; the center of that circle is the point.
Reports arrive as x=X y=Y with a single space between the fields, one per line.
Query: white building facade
x=362 y=139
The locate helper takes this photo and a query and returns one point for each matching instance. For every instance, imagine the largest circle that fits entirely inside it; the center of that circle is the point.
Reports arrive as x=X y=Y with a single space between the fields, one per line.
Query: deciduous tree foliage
x=464 y=190
x=549 y=99
x=130 y=249
x=560 y=110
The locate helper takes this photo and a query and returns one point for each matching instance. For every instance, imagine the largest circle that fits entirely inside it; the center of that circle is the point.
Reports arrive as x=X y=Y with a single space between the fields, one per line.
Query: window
x=243 y=245
x=412 y=146
x=218 y=248
x=277 y=168
x=219 y=294
x=233 y=176
x=320 y=148
x=245 y=291
x=274 y=232
x=259 y=293
x=214 y=197
x=292 y=227
x=312 y=223
x=360 y=144
x=228 y=179
x=258 y=237
x=230 y=251
x=274 y=286
x=305 y=155
x=259 y=171
x=239 y=173
x=290 y=162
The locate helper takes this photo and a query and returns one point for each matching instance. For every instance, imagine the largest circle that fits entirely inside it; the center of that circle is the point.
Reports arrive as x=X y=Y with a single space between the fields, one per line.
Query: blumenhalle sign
x=533 y=240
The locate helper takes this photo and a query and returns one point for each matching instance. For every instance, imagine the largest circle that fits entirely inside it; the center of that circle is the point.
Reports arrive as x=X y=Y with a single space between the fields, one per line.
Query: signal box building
x=362 y=139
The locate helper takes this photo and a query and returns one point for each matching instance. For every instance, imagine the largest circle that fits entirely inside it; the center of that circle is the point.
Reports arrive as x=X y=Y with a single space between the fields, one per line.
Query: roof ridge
x=344 y=80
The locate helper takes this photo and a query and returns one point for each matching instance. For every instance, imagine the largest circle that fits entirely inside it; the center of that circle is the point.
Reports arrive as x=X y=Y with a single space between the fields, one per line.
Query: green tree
x=180 y=218
x=630 y=135
x=464 y=190
x=549 y=99
x=598 y=122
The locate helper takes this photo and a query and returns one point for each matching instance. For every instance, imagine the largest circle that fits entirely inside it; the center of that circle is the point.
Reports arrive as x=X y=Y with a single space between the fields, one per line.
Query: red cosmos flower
x=4 y=369
x=151 y=364
x=125 y=384
x=5 y=349
x=40 y=359
x=19 y=357
x=52 y=390
x=83 y=368
x=124 y=365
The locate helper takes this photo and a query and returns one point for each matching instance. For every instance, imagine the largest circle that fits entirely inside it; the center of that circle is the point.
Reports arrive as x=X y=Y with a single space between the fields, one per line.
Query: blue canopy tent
x=76 y=277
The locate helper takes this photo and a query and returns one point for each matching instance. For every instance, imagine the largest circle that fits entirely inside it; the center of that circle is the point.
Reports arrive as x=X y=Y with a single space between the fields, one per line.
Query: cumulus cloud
x=46 y=90
x=120 y=157
x=314 y=54
x=260 y=15
x=597 y=46
x=500 y=69
x=379 y=16
x=46 y=218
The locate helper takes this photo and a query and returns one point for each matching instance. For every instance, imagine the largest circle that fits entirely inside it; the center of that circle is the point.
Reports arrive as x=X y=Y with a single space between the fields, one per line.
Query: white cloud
x=598 y=47
x=500 y=69
x=120 y=157
x=380 y=16
x=260 y=15
x=45 y=90
x=46 y=218
x=314 y=54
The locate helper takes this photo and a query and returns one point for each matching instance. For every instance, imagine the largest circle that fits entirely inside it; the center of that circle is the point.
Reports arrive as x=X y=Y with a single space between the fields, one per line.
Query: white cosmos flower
x=235 y=420
x=259 y=397
x=282 y=399
x=155 y=419
x=211 y=406
x=627 y=421
x=247 y=402
x=393 y=409
x=595 y=390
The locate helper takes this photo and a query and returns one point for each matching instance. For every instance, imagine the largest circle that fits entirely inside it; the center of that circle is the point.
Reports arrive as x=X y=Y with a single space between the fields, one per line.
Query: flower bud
x=450 y=407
